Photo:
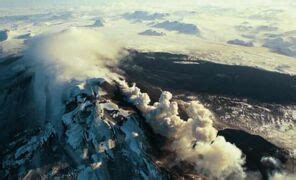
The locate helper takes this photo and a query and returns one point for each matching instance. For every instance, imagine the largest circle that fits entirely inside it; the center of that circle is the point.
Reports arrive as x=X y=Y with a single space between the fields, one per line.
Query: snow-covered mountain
x=144 y=15
x=100 y=140
x=282 y=43
x=97 y=23
x=180 y=27
x=214 y=96
x=150 y=32
x=93 y=124
x=240 y=43
x=3 y=35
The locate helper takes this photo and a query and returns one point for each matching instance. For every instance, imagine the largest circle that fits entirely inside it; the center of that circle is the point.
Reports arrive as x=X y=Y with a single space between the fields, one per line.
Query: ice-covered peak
x=144 y=15
x=240 y=42
x=180 y=27
x=3 y=35
x=99 y=137
x=97 y=23
x=150 y=32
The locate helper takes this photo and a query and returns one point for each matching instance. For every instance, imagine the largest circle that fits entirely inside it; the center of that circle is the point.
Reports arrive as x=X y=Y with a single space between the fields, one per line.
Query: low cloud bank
x=195 y=140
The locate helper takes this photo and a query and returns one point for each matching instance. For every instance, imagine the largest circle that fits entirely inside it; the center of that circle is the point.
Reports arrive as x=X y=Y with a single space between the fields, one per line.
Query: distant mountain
x=144 y=15
x=283 y=44
x=150 y=32
x=266 y=28
x=24 y=36
x=3 y=35
x=240 y=42
x=179 y=27
x=97 y=23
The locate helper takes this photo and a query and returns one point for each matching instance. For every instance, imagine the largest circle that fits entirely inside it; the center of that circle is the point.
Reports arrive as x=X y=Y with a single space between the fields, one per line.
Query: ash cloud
x=194 y=140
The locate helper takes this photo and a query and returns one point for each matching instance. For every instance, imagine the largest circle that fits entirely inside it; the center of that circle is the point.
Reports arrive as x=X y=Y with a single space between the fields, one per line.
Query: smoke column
x=195 y=140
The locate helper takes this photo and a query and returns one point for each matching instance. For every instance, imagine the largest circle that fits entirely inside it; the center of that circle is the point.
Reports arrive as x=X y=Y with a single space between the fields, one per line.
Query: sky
x=26 y=3
x=5 y=3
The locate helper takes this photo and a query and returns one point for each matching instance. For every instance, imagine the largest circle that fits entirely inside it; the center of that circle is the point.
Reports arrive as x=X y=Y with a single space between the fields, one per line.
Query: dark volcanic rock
x=163 y=70
x=255 y=148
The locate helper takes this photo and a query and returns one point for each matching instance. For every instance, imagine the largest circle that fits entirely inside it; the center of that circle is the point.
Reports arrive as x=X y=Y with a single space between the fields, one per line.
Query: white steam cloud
x=61 y=58
x=283 y=176
x=74 y=53
x=195 y=140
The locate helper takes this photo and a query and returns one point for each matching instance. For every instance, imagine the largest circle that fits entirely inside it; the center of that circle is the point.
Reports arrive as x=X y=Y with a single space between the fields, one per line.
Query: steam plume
x=195 y=140
x=63 y=58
